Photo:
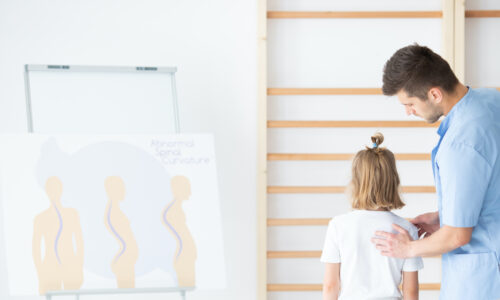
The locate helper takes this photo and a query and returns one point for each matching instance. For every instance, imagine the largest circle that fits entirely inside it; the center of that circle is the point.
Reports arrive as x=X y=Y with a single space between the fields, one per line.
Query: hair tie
x=375 y=146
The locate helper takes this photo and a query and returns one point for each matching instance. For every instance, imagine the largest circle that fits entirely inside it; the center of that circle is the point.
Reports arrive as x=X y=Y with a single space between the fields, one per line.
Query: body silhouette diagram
x=174 y=219
x=118 y=225
x=61 y=266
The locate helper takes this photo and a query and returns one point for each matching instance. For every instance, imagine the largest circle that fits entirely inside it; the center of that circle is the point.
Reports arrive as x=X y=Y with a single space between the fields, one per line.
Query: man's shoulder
x=475 y=137
x=476 y=125
x=486 y=92
x=481 y=110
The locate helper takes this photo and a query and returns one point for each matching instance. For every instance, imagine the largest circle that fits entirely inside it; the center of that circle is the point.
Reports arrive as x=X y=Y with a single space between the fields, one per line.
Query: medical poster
x=83 y=212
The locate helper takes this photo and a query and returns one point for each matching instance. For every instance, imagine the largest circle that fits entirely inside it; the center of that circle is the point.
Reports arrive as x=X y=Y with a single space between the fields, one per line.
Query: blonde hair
x=375 y=180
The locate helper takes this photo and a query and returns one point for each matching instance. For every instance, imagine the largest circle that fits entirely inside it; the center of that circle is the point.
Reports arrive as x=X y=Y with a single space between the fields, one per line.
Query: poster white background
x=22 y=191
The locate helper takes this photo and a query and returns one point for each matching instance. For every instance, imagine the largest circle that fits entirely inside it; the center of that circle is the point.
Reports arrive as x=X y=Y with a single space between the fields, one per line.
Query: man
x=466 y=165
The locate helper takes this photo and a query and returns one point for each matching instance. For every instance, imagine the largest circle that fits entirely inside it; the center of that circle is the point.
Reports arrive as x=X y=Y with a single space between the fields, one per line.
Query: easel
x=32 y=128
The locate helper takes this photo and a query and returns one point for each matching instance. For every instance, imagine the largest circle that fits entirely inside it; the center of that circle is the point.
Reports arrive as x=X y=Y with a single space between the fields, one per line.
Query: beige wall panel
x=429 y=295
x=310 y=271
x=424 y=295
x=479 y=4
x=298 y=270
x=340 y=52
x=329 y=205
x=349 y=140
x=307 y=205
x=417 y=204
x=295 y=238
x=482 y=47
x=353 y=5
x=324 y=173
x=348 y=107
x=293 y=295
x=431 y=273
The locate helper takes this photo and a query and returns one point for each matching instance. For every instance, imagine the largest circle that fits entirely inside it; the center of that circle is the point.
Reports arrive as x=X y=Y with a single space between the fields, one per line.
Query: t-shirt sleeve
x=414 y=263
x=465 y=175
x=331 y=253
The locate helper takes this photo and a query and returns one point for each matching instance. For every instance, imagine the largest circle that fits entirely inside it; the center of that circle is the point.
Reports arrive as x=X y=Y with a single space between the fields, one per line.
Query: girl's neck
x=378 y=209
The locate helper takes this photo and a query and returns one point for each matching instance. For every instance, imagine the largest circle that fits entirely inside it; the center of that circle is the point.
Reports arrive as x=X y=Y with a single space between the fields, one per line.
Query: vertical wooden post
x=454 y=36
x=459 y=33
x=448 y=39
x=262 y=151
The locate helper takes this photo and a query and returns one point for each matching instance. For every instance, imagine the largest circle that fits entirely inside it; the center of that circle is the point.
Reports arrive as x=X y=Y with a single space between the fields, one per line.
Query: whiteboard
x=100 y=99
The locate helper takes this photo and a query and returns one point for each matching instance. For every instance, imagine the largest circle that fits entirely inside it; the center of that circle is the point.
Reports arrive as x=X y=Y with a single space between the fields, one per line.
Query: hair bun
x=377 y=139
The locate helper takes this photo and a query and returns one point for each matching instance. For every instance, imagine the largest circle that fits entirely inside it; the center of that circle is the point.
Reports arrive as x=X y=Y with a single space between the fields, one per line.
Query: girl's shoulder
x=407 y=225
x=346 y=218
x=368 y=216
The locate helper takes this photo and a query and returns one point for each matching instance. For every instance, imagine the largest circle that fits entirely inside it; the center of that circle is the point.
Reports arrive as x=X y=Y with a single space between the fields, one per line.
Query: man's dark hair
x=416 y=69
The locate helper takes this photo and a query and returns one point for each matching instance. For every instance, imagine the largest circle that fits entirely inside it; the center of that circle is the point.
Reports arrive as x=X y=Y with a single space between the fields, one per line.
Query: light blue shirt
x=466 y=165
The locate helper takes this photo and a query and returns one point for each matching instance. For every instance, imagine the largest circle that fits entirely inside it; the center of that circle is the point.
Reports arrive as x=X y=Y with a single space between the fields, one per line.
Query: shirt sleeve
x=464 y=175
x=414 y=263
x=331 y=253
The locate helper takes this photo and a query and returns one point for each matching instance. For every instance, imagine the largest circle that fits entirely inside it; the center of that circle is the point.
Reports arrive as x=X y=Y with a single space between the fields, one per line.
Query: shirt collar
x=445 y=124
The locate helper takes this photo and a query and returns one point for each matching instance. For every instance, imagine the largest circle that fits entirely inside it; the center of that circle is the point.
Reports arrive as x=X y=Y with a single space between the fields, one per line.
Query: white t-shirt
x=364 y=272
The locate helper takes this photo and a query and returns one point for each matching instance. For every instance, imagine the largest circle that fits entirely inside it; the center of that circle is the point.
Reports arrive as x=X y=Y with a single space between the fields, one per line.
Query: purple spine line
x=56 y=242
x=172 y=228
x=124 y=245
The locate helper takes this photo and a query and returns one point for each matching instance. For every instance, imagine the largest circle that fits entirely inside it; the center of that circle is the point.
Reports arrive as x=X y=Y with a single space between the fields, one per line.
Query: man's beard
x=433 y=118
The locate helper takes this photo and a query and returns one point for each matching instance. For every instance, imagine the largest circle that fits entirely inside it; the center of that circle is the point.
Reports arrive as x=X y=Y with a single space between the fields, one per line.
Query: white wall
x=213 y=44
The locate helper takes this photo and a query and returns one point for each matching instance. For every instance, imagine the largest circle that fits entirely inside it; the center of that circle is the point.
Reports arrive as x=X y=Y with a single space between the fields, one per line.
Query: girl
x=355 y=270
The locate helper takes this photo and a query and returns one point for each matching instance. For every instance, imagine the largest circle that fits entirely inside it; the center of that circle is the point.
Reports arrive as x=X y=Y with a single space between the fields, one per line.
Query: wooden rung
x=297 y=222
x=337 y=189
x=293 y=254
x=319 y=287
x=323 y=91
x=339 y=156
x=412 y=156
x=429 y=286
x=482 y=13
x=349 y=124
x=353 y=14
x=414 y=189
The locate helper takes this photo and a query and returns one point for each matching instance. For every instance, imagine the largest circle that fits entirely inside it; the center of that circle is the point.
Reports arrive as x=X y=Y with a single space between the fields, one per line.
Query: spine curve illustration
x=172 y=228
x=124 y=245
x=56 y=242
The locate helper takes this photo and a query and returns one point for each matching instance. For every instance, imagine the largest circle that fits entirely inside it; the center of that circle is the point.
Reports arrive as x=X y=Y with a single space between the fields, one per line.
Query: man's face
x=425 y=109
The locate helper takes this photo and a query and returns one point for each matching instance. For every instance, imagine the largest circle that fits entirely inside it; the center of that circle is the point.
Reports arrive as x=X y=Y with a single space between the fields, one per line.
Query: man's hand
x=427 y=223
x=393 y=245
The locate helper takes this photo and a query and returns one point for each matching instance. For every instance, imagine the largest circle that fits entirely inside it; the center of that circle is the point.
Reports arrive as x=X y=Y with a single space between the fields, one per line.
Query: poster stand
x=78 y=293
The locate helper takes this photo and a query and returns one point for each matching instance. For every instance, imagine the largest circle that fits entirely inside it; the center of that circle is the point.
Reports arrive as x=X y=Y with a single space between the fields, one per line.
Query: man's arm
x=331 y=281
x=410 y=285
x=426 y=224
x=446 y=239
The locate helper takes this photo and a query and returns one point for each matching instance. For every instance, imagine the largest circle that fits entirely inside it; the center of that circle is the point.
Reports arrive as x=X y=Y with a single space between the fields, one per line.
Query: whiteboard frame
x=111 y=69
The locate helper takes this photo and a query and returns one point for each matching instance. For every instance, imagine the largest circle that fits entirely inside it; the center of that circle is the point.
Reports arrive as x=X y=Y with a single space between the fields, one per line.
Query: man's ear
x=435 y=94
